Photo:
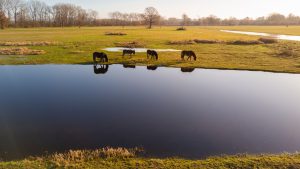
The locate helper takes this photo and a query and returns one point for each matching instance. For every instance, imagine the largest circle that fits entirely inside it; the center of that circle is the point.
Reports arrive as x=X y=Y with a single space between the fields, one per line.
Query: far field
x=76 y=45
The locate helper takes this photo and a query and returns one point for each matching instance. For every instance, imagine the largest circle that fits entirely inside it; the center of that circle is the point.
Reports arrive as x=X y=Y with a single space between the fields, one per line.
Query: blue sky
x=194 y=8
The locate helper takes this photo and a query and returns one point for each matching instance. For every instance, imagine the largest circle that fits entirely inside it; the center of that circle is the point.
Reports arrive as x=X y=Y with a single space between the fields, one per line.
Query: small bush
x=181 y=29
x=268 y=40
x=133 y=44
x=115 y=34
x=20 y=51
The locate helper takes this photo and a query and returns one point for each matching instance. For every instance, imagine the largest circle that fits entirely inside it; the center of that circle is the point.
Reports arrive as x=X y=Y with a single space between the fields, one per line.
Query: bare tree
x=15 y=7
x=151 y=16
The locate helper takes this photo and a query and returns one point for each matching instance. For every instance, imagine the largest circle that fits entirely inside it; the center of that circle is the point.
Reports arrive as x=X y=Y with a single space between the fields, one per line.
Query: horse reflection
x=129 y=66
x=151 y=67
x=100 y=69
x=187 y=70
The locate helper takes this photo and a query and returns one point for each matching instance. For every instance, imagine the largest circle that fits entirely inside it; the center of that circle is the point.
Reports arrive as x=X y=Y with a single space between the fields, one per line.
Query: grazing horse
x=128 y=52
x=152 y=54
x=100 y=55
x=102 y=69
x=129 y=66
x=187 y=70
x=151 y=67
x=190 y=54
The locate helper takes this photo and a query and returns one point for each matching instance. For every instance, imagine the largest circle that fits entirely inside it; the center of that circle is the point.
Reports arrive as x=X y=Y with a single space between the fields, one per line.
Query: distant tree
x=276 y=19
x=151 y=16
x=185 y=20
x=3 y=20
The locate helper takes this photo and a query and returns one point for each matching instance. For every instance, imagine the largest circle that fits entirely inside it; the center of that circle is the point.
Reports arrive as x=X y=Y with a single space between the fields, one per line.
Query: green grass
x=77 y=45
x=123 y=158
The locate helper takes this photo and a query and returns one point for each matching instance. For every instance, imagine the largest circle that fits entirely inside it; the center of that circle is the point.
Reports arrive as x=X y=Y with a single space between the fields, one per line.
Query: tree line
x=35 y=13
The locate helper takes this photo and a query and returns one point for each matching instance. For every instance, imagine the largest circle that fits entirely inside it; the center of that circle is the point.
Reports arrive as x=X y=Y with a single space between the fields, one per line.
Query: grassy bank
x=75 y=46
x=126 y=158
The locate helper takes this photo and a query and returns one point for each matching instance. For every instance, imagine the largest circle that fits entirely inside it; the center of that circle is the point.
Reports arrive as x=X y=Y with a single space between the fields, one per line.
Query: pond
x=139 y=50
x=168 y=111
x=280 y=37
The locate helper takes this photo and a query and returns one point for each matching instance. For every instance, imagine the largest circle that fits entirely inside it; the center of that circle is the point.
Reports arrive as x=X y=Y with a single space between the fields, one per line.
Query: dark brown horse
x=190 y=54
x=100 y=69
x=128 y=52
x=152 y=54
x=100 y=55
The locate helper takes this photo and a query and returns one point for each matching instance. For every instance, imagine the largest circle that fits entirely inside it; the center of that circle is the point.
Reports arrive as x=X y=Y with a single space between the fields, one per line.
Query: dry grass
x=115 y=34
x=133 y=44
x=20 y=51
x=183 y=42
x=268 y=40
x=28 y=43
x=244 y=42
x=74 y=157
x=202 y=41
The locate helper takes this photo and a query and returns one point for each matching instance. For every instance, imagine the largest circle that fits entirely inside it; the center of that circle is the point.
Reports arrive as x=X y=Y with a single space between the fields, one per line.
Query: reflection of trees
x=100 y=69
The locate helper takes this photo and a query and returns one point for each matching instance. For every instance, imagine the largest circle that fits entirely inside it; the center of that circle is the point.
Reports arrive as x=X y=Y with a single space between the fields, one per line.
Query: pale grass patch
x=28 y=43
x=20 y=51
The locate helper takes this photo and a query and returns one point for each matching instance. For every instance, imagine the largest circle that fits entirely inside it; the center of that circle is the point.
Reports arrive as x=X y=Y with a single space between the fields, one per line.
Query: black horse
x=187 y=70
x=151 y=67
x=152 y=54
x=129 y=66
x=100 y=69
x=128 y=52
x=100 y=55
x=190 y=54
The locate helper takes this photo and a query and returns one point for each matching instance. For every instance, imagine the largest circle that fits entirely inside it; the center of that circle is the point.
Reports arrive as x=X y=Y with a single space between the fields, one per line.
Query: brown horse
x=128 y=52
x=100 y=55
x=152 y=54
x=190 y=54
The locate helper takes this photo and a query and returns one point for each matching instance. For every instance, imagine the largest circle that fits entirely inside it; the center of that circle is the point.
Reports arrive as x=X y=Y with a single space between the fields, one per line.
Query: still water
x=276 y=36
x=193 y=114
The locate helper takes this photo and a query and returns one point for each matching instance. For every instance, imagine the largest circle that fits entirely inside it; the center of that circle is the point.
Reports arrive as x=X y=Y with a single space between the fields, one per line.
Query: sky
x=193 y=8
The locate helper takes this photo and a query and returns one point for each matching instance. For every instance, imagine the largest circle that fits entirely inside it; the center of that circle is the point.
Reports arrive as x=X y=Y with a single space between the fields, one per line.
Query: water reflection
x=129 y=66
x=151 y=67
x=100 y=69
x=187 y=70
x=55 y=108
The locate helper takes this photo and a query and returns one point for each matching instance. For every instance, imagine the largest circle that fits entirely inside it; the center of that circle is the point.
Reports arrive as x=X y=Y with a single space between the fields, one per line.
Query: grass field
x=75 y=46
x=122 y=159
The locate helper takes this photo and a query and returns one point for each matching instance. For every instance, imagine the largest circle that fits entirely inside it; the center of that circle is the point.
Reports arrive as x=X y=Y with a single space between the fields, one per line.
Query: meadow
x=76 y=45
